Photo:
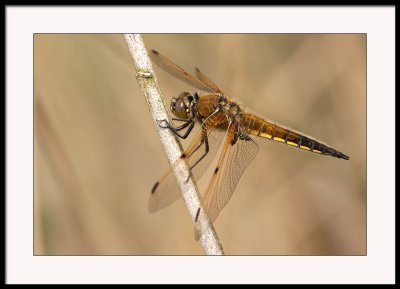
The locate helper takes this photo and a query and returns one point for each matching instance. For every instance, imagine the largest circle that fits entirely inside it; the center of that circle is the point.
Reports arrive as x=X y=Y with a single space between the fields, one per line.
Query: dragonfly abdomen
x=257 y=126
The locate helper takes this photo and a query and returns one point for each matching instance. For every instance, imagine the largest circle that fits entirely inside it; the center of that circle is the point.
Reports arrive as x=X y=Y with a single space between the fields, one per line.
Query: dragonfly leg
x=207 y=149
x=180 y=119
x=190 y=122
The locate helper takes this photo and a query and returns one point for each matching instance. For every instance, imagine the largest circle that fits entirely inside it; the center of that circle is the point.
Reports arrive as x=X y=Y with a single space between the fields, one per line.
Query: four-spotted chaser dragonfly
x=223 y=122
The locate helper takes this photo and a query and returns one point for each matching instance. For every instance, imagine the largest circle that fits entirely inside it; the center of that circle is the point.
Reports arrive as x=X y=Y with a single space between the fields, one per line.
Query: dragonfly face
x=181 y=106
x=224 y=124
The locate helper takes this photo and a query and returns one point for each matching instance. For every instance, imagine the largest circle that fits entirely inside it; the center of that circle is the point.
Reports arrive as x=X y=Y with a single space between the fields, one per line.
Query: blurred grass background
x=97 y=154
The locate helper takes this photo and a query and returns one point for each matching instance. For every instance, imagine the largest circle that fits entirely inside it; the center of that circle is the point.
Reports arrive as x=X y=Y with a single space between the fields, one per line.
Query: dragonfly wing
x=200 y=75
x=166 y=191
x=177 y=71
x=234 y=159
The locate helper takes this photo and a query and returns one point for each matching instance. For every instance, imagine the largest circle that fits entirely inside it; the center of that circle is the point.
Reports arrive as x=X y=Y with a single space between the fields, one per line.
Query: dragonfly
x=223 y=123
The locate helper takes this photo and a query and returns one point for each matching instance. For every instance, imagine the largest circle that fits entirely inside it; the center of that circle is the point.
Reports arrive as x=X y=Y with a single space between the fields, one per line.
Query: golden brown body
x=258 y=126
x=223 y=123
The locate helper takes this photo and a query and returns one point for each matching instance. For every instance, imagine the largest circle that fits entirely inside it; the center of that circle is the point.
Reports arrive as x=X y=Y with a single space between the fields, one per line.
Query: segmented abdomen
x=257 y=126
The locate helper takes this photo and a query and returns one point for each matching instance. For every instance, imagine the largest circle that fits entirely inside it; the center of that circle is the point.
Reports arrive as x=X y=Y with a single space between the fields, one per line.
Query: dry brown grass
x=97 y=153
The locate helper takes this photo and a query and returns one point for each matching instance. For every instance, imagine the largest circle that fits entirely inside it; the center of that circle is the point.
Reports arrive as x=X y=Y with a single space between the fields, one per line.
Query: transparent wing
x=234 y=159
x=166 y=191
x=200 y=75
x=177 y=71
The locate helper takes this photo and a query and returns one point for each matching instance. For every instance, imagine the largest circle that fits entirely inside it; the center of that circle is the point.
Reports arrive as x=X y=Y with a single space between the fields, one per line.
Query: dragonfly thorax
x=230 y=108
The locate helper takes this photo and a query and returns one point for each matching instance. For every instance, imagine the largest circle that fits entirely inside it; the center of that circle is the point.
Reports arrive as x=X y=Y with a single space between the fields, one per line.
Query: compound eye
x=173 y=104
x=179 y=108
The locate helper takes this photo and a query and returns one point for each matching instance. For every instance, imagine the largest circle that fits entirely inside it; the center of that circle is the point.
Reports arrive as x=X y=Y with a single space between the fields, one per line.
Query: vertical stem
x=149 y=86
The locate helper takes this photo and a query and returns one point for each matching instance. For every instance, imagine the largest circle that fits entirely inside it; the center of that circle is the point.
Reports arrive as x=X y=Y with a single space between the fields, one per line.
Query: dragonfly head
x=181 y=105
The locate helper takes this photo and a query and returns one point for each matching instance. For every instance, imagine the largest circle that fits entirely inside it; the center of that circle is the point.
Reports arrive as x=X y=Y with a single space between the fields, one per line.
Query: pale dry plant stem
x=149 y=86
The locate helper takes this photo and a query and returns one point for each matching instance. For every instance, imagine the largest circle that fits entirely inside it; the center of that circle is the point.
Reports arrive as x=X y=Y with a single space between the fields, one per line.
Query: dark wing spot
x=183 y=156
x=154 y=187
x=216 y=170
x=233 y=141
x=197 y=215
x=154 y=51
